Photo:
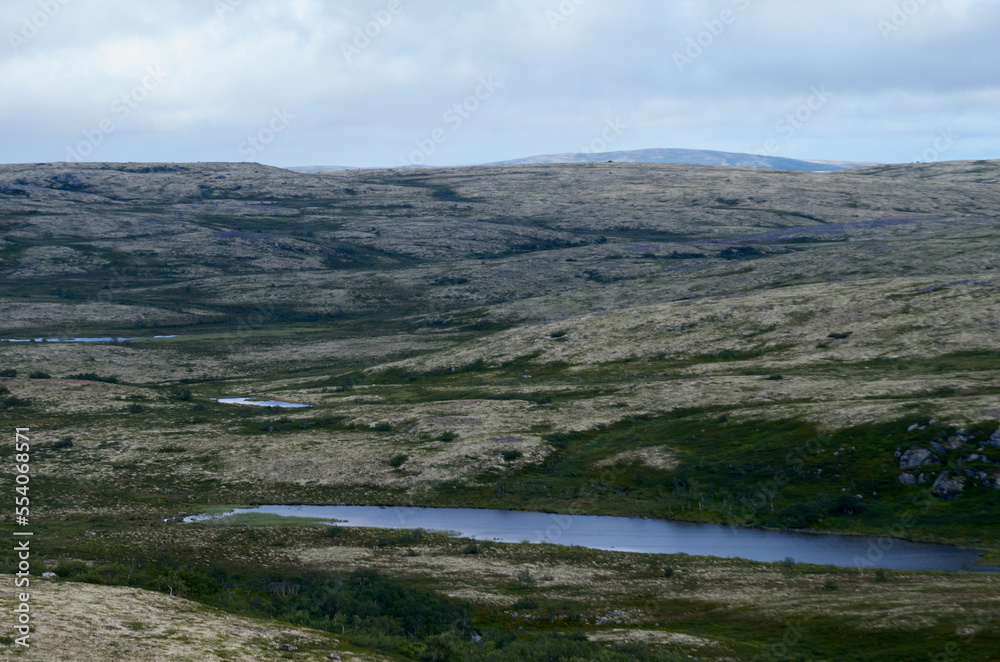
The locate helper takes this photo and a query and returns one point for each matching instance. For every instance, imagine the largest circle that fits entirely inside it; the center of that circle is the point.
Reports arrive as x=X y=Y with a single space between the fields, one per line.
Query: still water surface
x=627 y=534
x=260 y=403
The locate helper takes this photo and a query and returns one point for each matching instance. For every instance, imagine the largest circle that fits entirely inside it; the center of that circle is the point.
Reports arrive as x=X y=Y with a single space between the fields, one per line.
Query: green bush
x=830 y=585
x=408 y=538
x=9 y=373
x=448 y=436
x=848 y=504
x=524 y=579
x=39 y=374
x=93 y=377
x=65 y=442
x=398 y=460
x=668 y=572
x=511 y=455
x=14 y=401
x=802 y=513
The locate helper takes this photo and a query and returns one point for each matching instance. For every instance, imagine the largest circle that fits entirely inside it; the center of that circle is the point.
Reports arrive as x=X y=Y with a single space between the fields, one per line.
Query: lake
x=626 y=534
x=260 y=403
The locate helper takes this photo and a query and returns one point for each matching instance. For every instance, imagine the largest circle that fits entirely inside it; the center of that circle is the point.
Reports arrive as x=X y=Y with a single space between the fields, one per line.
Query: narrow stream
x=104 y=339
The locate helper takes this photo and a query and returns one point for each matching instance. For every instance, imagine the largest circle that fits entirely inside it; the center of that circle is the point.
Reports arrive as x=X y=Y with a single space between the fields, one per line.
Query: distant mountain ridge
x=316 y=170
x=692 y=157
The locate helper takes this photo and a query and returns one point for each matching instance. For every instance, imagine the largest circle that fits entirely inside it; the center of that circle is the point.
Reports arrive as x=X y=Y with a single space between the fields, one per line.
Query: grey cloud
x=367 y=80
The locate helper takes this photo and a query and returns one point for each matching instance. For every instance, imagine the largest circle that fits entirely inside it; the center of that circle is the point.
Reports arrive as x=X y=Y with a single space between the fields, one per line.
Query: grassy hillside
x=764 y=348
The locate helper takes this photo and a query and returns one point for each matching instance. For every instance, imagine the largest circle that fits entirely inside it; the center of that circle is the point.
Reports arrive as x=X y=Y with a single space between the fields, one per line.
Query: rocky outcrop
x=954 y=443
x=916 y=457
x=947 y=486
x=970 y=466
x=995 y=439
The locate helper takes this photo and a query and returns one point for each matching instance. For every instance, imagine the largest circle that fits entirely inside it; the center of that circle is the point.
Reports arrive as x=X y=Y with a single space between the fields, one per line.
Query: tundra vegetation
x=810 y=351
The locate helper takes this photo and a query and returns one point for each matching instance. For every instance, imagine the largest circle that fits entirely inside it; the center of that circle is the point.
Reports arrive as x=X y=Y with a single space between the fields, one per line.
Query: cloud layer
x=383 y=82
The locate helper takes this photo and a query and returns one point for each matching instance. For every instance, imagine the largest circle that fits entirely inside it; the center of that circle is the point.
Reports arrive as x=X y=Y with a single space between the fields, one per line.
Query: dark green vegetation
x=369 y=609
x=776 y=474
x=727 y=345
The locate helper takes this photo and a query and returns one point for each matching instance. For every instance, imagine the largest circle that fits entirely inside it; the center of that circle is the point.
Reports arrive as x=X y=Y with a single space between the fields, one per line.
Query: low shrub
x=93 y=377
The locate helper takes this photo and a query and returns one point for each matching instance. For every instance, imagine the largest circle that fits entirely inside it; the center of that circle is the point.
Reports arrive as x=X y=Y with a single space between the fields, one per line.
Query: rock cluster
x=958 y=470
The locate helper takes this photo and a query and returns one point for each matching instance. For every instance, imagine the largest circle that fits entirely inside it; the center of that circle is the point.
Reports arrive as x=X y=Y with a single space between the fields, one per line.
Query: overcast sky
x=442 y=82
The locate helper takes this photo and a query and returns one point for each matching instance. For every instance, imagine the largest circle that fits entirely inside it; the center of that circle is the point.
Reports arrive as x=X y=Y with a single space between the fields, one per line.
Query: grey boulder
x=916 y=457
x=947 y=486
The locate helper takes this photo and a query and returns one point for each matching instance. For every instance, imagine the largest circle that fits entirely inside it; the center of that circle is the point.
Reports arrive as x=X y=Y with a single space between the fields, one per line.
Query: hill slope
x=757 y=347
x=452 y=315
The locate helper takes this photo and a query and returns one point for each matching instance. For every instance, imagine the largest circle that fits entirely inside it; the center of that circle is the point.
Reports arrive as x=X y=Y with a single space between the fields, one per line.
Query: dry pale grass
x=919 y=316
x=653 y=637
x=89 y=623
x=656 y=457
